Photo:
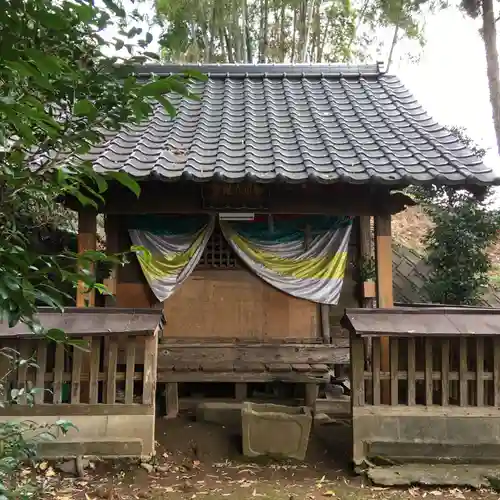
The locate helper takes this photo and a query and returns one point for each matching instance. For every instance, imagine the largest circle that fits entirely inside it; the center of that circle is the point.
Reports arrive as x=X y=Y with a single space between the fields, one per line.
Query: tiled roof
x=328 y=123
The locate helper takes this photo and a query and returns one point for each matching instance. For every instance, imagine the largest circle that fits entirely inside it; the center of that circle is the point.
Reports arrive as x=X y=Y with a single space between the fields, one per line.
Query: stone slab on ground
x=473 y=476
x=104 y=447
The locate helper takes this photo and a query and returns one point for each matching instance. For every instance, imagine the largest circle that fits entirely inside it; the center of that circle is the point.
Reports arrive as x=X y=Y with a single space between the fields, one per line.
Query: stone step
x=95 y=446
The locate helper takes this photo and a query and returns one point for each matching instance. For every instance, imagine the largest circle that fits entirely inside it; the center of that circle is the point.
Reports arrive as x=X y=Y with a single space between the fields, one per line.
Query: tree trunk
x=229 y=46
x=282 y=42
x=264 y=23
x=246 y=27
x=307 y=32
x=490 y=47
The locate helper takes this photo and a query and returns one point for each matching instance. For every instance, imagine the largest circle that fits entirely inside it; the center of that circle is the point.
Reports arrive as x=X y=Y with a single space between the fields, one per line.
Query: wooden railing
x=114 y=370
x=443 y=371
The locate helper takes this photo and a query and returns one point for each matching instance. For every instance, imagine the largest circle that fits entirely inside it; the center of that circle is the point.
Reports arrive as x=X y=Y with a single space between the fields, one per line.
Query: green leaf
x=57 y=335
x=65 y=425
x=169 y=108
x=115 y=8
x=156 y=88
x=84 y=107
x=127 y=181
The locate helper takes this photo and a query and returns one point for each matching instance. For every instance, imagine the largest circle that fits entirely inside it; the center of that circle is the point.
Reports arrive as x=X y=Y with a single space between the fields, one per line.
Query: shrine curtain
x=174 y=246
x=303 y=256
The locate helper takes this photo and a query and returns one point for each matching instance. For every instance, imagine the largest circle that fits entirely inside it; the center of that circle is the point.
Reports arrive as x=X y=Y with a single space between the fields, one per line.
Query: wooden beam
x=184 y=197
x=385 y=298
x=87 y=240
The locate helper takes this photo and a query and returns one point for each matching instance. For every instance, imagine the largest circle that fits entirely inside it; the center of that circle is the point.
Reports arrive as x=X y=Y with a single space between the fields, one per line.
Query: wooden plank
x=41 y=361
x=58 y=371
x=376 y=371
x=249 y=367
x=463 y=371
x=199 y=353
x=445 y=372
x=428 y=371
x=411 y=371
x=358 y=370
x=496 y=371
x=394 y=346
x=111 y=371
x=325 y=322
x=291 y=377
x=80 y=322
x=87 y=240
x=46 y=410
x=207 y=367
x=130 y=370
x=150 y=370
x=479 y=371
x=26 y=355
x=95 y=355
x=301 y=367
x=319 y=367
x=279 y=367
x=172 y=400
x=76 y=374
x=385 y=299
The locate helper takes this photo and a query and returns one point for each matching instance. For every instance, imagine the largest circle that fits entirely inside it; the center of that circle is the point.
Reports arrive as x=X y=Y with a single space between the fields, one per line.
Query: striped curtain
x=305 y=257
x=174 y=246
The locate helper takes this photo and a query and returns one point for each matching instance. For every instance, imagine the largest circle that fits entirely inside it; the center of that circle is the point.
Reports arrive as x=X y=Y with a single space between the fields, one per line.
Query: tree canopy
x=59 y=91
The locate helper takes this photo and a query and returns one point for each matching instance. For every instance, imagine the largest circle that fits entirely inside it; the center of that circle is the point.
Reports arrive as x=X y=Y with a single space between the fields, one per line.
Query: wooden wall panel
x=237 y=304
x=134 y=295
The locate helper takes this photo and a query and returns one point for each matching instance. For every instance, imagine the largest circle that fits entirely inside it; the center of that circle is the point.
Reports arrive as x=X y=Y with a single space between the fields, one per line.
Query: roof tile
x=333 y=123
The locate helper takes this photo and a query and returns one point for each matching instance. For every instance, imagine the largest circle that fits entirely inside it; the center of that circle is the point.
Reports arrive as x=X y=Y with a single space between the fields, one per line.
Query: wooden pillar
x=383 y=257
x=111 y=228
x=87 y=240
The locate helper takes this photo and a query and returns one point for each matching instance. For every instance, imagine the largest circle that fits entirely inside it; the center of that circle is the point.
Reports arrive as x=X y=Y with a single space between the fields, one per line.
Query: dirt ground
x=202 y=461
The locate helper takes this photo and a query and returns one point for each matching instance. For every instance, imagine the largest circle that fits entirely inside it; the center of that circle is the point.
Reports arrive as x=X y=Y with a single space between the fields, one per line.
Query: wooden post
x=383 y=257
x=87 y=239
x=365 y=246
x=365 y=249
x=324 y=314
x=111 y=228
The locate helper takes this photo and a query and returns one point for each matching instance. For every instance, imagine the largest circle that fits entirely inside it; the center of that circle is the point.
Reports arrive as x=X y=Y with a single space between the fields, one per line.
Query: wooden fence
x=108 y=371
x=94 y=387
x=462 y=371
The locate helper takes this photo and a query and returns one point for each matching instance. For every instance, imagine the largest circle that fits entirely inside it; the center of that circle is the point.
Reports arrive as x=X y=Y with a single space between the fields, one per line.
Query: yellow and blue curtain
x=169 y=248
x=303 y=256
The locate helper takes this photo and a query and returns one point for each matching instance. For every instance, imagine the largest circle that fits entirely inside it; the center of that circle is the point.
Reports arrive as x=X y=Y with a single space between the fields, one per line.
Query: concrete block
x=133 y=426
x=226 y=414
x=105 y=447
x=472 y=430
x=275 y=430
x=420 y=429
x=87 y=426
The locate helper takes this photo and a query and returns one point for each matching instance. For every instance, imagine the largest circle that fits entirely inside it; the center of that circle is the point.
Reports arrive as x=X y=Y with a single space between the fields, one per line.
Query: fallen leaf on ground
x=329 y=493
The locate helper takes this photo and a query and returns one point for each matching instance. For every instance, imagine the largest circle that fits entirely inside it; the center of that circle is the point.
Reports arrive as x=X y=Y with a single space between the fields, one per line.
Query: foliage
x=274 y=31
x=465 y=225
x=18 y=440
x=59 y=92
